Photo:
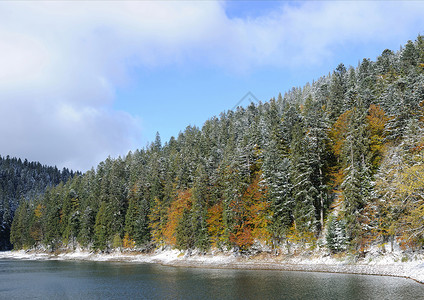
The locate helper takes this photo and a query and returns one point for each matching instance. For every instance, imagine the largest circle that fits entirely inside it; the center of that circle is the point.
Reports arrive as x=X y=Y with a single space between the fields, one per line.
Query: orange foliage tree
x=337 y=134
x=252 y=216
x=175 y=213
x=216 y=227
x=259 y=212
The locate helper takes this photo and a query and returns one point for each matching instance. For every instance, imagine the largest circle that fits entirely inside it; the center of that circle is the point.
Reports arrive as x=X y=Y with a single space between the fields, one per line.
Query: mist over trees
x=340 y=160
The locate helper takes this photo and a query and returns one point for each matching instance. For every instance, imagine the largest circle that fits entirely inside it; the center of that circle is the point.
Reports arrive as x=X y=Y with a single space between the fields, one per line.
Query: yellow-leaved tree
x=175 y=213
x=376 y=127
x=216 y=226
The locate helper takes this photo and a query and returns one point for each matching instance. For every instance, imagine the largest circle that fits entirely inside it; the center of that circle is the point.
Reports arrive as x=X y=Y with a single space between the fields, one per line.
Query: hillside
x=22 y=181
x=337 y=164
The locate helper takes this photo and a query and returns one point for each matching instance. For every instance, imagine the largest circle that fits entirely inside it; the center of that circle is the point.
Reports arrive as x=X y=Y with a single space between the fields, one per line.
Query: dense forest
x=336 y=164
x=21 y=181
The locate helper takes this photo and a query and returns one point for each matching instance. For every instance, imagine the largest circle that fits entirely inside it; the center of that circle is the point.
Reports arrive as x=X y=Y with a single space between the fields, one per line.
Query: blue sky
x=83 y=80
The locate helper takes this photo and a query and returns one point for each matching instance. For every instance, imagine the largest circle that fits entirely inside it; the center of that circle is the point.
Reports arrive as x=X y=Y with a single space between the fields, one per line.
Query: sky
x=84 y=80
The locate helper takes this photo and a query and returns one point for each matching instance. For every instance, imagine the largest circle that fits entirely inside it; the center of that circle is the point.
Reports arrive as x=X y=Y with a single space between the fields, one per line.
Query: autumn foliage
x=175 y=213
x=338 y=132
x=252 y=217
x=377 y=120
x=346 y=150
x=216 y=226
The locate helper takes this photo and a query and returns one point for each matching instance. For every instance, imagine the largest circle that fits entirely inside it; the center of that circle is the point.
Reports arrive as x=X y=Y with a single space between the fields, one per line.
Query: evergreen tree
x=102 y=232
x=200 y=208
x=304 y=191
x=336 y=235
x=88 y=219
x=21 y=181
x=337 y=92
x=257 y=174
x=357 y=183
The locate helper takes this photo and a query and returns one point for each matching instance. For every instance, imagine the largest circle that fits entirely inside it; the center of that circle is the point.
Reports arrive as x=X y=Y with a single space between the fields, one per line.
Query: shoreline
x=382 y=266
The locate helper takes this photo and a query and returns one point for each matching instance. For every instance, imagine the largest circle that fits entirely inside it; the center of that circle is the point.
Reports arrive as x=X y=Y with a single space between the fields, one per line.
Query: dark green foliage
x=337 y=92
x=357 y=184
x=185 y=231
x=336 y=235
x=287 y=145
x=102 y=232
x=21 y=181
x=86 y=233
x=136 y=220
x=20 y=228
x=200 y=200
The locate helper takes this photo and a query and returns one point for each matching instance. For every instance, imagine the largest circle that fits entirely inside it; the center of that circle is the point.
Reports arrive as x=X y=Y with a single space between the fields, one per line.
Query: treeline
x=338 y=162
x=22 y=181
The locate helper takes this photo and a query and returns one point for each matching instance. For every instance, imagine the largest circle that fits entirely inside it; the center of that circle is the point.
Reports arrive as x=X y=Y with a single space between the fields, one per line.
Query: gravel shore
x=383 y=266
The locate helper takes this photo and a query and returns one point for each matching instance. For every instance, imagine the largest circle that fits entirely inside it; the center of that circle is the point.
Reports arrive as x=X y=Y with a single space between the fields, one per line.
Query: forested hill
x=337 y=164
x=22 y=181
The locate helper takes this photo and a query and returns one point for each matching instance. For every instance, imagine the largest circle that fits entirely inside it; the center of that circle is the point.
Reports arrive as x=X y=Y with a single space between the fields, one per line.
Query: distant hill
x=22 y=181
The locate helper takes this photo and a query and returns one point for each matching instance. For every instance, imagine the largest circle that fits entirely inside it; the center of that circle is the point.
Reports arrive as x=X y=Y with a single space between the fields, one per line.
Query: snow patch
x=390 y=264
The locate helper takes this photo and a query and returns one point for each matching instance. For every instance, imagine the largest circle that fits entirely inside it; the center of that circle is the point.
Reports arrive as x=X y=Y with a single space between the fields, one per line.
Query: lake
x=21 y=279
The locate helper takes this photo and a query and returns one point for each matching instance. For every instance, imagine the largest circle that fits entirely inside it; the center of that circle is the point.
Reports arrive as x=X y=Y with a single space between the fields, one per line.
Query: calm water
x=106 y=280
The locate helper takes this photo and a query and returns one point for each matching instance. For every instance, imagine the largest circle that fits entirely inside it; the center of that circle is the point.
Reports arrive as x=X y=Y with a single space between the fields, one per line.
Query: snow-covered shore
x=384 y=265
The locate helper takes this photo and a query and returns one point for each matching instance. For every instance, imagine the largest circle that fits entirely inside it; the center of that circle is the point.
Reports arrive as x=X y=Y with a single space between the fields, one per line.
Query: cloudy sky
x=83 y=80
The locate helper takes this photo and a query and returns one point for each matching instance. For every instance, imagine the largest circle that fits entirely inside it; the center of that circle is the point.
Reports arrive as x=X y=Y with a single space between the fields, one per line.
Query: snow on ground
x=388 y=264
x=21 y=254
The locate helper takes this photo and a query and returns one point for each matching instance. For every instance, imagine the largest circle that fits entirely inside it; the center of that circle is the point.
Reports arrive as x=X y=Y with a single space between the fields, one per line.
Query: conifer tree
x=250 y=175
x=357 y=183
x=304 y=191
x=337 y=92
x=336 y=235
x=88 y=219
x=200 y=195
x=102 y=234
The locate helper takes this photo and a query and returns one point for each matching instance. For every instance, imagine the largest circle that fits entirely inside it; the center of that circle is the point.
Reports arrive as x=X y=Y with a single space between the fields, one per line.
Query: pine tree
x=185 y=232
x=304 y=191
x=337 y=92
x=136 y=220
x=200 y=195
x=358 y=182
x=102 y=228
x=88 y=220
x=276 y=176
x=336 y=235
x=250 y=175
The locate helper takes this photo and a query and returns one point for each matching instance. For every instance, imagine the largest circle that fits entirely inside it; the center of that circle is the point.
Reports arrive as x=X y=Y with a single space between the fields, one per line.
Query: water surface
x=107 y=280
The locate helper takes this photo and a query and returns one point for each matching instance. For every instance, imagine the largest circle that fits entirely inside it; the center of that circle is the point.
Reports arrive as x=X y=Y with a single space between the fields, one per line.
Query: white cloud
x=22 y=59
x=61 y=62
x=310 y=32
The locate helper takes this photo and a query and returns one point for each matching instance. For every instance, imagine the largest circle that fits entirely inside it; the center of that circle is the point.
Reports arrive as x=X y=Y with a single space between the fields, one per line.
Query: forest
x=335 y=164
x=22 y=181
